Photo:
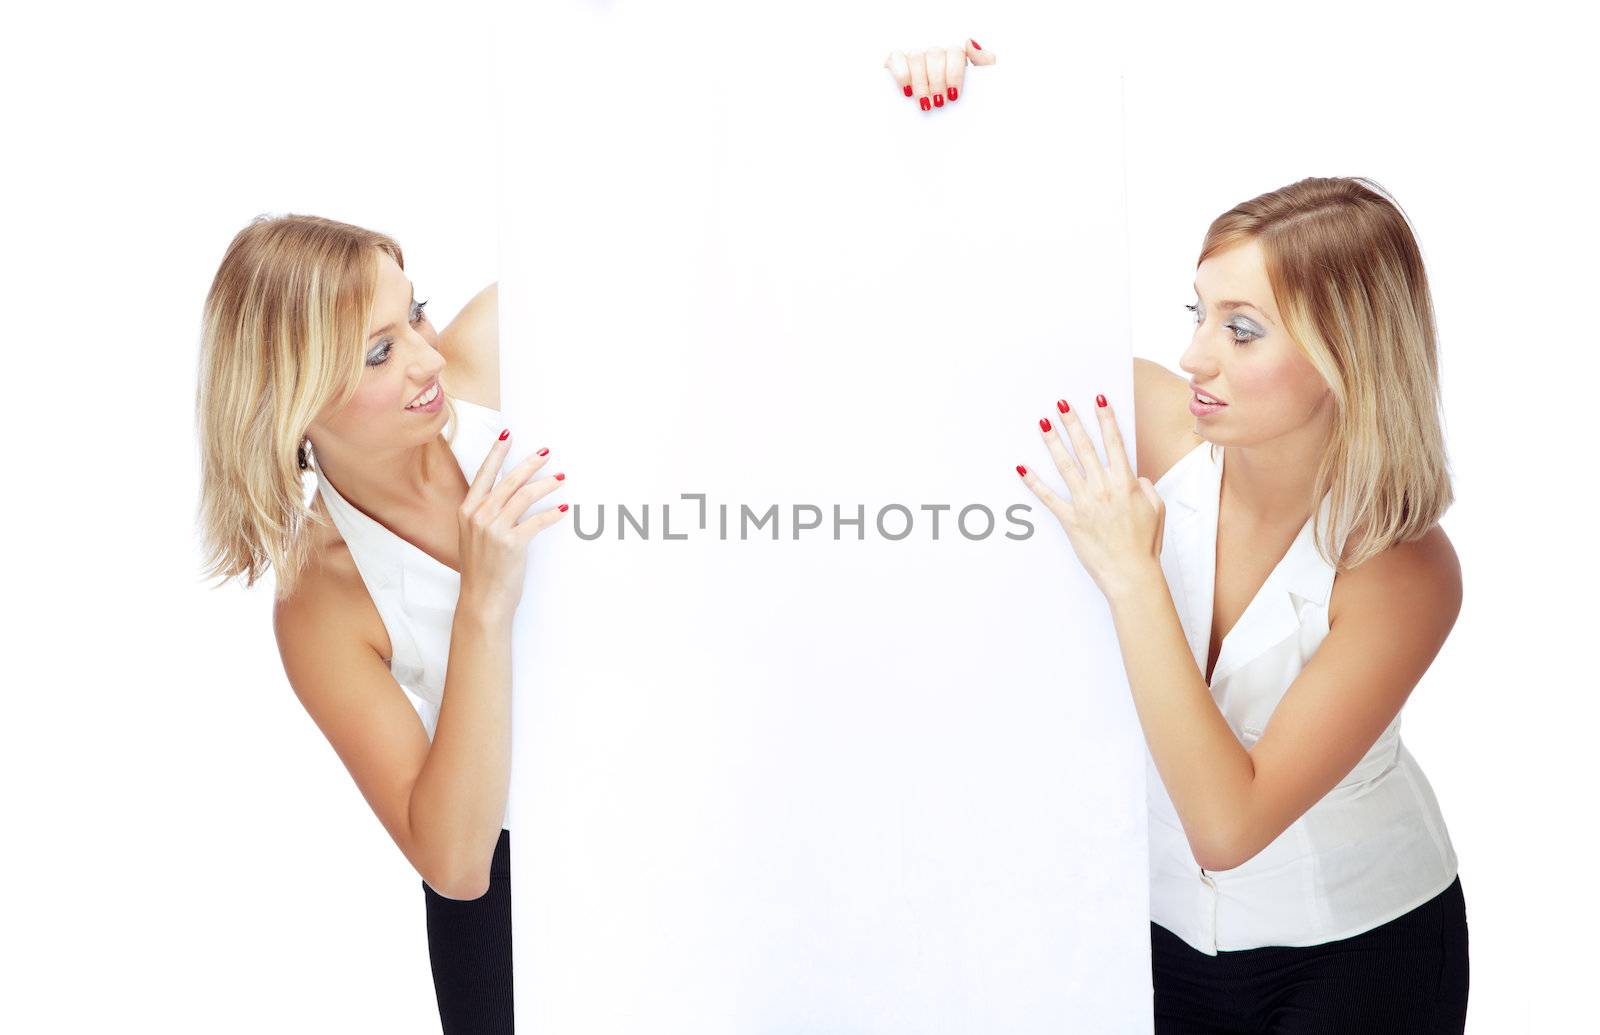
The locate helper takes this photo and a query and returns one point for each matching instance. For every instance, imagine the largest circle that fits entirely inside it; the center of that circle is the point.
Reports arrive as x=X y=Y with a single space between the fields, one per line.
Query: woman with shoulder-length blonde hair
x=1275 y=621
x=1273 y=624
x=316 y=357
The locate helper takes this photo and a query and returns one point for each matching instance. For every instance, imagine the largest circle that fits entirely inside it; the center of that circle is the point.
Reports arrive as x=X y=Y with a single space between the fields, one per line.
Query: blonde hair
x=1351 y=289
x=283 y=336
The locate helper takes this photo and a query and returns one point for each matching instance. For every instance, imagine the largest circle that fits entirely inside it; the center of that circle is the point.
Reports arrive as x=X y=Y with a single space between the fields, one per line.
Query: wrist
x=1136 y=583
x=483 y=610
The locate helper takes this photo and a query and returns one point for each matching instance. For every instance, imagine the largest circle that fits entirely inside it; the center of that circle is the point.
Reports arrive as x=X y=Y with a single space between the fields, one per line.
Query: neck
x=385 y=481
x=1272 y=482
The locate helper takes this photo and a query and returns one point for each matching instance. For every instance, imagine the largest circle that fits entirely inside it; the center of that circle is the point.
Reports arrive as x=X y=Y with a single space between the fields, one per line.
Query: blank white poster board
x=819 y=724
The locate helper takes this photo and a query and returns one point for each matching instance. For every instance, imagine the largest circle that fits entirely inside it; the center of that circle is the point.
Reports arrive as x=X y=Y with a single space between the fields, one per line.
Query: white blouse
x=1372 y=848
x=414 y=592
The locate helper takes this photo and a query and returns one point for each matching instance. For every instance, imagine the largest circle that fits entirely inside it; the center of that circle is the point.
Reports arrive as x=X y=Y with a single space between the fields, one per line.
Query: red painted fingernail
x=974 y=44
x=560 y=477
x=544 y=452
x=1100 y=399
x=505 y=434
x=1021 y=469
x=562 y=508
x=1044 y=424
x=908 y=89
x=938 y=100
x=952 y=93
x=1061 y=404
x=925 y=104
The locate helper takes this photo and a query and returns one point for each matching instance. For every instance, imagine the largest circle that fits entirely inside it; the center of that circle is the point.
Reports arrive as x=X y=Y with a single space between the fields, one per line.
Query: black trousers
x=1408 y=976
x=469 y=948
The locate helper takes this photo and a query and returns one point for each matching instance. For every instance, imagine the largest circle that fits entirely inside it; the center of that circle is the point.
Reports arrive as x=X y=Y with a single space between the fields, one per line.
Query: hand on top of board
x=935 y=75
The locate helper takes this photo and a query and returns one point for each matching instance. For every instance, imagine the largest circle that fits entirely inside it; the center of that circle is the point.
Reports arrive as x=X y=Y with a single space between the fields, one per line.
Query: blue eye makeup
x=380 y=351
x=1239 y=325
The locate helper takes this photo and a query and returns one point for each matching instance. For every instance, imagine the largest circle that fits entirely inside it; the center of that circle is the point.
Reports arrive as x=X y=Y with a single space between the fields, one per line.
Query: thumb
x=977 y=55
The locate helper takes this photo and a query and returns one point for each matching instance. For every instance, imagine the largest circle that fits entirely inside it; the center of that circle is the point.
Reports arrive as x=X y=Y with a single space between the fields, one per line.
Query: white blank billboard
x=778 y=770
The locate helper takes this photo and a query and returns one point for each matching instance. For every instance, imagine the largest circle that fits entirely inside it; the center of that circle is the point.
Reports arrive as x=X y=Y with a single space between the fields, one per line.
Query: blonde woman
x=1273 y=623
x=317 y=358
x=1279 y=583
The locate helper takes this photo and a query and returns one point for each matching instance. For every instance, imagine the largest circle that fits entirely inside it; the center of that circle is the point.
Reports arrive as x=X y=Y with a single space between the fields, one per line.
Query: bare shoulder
x=470 y=344
x=331 y=599
x=342 y=679
x=1388 y=618
x=1418 y=581
x=1164 y=428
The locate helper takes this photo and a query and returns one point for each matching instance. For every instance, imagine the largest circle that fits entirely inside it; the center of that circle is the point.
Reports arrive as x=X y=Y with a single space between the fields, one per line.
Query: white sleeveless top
x=415 y=593
x=1372 y=848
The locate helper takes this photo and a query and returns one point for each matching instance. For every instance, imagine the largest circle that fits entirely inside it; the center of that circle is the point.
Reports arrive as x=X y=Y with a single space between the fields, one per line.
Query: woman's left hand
x=1113 y=519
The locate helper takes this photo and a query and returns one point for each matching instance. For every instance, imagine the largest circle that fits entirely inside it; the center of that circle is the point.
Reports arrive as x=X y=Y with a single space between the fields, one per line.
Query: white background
x=183 y=848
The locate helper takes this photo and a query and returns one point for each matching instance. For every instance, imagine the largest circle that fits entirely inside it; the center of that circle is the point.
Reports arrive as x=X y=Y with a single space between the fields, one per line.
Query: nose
x=428 y=362
x=1196 y=361
x=420 y=381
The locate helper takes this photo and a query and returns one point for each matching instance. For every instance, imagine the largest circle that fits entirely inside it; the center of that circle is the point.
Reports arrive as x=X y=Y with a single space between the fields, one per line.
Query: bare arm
x=1164 y=429
x=1389 y=620
x=1395 y=613
x=442 y=804
x=1206 y=771
x=460 y=793
x=471 y=344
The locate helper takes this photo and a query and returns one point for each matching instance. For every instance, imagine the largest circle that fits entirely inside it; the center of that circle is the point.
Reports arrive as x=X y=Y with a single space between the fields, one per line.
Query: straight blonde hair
x=1350 y=285
x=282 y=337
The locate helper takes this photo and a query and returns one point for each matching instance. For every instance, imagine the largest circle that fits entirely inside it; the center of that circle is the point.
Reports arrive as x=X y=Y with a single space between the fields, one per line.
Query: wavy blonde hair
x=283 y=336
x=1350 y=285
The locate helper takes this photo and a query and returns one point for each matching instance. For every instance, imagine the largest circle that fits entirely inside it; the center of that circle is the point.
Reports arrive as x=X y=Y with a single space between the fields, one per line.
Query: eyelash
x=417 y=316
x=1236 y=339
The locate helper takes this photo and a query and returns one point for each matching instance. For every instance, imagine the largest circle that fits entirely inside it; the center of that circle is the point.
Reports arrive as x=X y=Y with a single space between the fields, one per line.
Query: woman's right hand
x=494 y=545
x=937 y=73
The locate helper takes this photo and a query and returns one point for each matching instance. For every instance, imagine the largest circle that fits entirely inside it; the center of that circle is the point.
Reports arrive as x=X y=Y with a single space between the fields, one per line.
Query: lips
x=420 y=394
x=1206 y=397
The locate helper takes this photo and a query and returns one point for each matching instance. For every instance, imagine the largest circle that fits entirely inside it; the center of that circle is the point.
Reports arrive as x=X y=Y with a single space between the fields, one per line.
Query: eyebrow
x=1232 y=303
x=386 y=328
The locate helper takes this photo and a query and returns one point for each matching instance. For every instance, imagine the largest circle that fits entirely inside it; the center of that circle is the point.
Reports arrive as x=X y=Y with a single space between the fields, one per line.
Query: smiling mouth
x=428 y=395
